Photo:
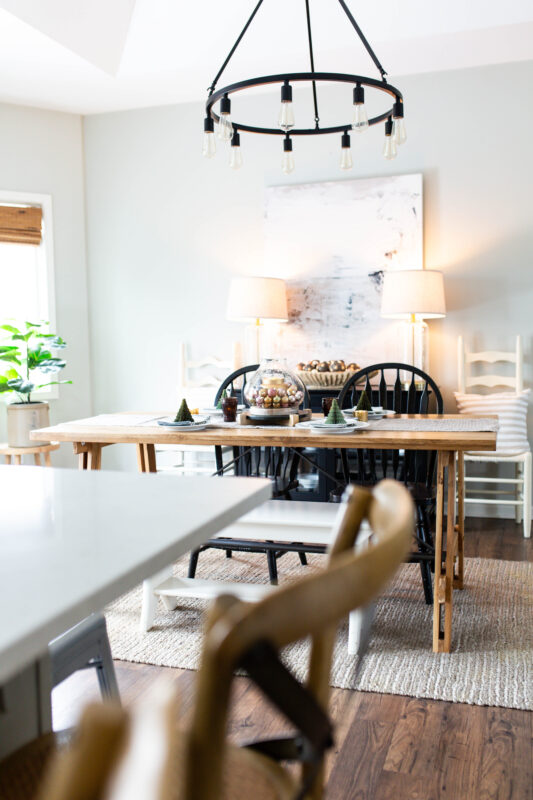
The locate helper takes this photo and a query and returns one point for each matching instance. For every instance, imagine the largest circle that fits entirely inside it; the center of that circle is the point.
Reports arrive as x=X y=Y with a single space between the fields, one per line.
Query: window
x=26 y=263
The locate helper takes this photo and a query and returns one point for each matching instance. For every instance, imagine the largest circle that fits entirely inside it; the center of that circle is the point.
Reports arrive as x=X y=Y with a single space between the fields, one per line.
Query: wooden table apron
x=88 y=442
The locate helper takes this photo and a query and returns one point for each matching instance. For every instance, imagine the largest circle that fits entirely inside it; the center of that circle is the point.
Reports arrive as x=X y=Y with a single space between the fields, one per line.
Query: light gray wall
x=42 y=152
x=167 y=229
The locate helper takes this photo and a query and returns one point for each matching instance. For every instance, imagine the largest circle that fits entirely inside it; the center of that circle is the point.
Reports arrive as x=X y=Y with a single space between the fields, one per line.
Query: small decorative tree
x=184 y=415
x=29 y=351
x=364 y=403
x=222 y=397
x=335 y=416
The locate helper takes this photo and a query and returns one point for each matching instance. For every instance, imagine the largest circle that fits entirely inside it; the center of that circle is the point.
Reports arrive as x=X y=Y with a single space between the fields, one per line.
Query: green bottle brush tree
x=184 y=415
x=364 y=403
x=222 y=397
x=335 y=416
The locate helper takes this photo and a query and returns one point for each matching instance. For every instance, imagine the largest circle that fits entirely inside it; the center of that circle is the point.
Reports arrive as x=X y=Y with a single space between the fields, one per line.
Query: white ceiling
x=106 y=55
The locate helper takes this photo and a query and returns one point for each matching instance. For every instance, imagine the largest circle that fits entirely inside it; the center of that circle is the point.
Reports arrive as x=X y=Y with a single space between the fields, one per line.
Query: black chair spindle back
x=419 y=394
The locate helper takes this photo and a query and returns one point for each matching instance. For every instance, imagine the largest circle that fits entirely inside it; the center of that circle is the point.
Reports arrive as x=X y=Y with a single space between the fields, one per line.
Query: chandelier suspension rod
x=237 y=43
x=363 y=38
x=312 y=58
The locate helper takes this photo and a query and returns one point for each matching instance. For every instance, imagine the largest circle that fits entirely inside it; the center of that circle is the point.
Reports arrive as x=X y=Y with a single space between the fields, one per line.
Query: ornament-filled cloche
x=274 y=390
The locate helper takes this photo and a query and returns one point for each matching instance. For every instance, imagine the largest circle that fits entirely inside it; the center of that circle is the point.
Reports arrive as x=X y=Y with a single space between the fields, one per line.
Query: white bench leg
x=526 y=474
x=149 y=604
x=359 y=624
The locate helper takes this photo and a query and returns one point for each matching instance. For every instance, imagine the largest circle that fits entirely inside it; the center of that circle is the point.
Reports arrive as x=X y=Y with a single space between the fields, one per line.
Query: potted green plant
x=28 y=354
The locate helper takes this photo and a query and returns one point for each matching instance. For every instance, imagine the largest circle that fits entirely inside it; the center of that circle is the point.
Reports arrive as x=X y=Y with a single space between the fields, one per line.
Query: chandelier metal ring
x=330 y=77
x=229 y=131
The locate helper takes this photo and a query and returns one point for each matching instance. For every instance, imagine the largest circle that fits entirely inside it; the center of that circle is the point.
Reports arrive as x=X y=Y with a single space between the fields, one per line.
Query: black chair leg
x=426 y=582
x=272 y=567
x=193 y=563
x=423 y=546
x=229 y=553
x=303 y=559
x=428 y=534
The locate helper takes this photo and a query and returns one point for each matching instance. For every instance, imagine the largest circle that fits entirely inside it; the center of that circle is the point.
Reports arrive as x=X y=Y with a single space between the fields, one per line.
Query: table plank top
x=150 y=433
x=86 y=538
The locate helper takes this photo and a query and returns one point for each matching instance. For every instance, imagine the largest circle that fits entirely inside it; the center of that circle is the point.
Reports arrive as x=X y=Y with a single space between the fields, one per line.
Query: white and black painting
x=332 y=242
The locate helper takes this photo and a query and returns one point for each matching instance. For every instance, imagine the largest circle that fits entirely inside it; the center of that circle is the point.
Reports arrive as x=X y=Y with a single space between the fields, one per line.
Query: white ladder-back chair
x=506 y=491
x=200 y=378
x=198 y=381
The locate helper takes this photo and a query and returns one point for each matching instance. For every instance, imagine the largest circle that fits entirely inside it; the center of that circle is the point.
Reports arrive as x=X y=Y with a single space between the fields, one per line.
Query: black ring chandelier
x=229 y=131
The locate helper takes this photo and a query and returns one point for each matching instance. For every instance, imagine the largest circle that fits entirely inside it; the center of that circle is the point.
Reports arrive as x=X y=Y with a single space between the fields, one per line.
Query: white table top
x=70 y=542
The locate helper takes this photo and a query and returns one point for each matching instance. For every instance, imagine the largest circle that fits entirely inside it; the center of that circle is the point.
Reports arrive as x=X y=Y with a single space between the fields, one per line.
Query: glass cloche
x=274 y=390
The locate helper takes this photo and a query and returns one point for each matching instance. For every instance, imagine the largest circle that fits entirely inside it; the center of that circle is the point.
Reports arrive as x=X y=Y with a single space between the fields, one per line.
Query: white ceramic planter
x=23 y=418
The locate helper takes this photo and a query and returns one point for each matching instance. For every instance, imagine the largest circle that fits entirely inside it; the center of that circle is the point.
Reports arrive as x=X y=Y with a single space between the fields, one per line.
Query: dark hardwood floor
x=387 y=746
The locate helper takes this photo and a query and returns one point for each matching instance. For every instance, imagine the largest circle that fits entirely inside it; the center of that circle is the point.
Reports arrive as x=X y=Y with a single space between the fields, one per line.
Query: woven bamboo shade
x=21 y=224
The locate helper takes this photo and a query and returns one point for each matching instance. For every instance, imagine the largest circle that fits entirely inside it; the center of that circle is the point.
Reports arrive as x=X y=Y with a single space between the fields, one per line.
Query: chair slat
x=411 y=396
x=384 y=462
x=372 y=466
x=397 y=394
x=424 y=400
x=383 y=391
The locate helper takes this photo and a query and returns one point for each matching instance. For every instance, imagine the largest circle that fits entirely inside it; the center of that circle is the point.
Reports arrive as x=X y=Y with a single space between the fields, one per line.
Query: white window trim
x=45 y=202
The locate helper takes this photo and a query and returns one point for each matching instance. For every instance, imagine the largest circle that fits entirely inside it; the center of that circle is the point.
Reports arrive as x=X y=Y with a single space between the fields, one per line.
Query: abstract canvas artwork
x=332 y=242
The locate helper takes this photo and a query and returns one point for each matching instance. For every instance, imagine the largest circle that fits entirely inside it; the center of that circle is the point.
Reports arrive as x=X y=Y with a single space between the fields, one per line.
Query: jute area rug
x=492 y=661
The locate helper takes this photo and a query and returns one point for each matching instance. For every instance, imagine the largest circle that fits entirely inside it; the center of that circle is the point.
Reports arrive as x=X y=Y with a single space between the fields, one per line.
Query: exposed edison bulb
x=286 y=116
x=346 y=158
x=286 y=112
x=235 y=158
x=209 y=145
x=398 y=131
x=287 y=162
x=225 y=128
x=360 y=118
x=389 y=148
x=346 y=161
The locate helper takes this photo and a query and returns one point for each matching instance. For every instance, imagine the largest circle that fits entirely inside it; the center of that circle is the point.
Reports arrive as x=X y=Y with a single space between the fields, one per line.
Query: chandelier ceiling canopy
x=219 y=104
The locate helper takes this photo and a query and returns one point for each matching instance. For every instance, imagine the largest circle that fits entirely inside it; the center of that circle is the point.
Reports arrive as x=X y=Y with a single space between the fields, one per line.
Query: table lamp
x=414 y=295
x=256 y=300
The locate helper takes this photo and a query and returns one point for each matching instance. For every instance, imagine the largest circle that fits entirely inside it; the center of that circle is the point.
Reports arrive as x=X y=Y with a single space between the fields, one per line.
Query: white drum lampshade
x=257 y=300
x=409 y=292
x=252 y=299
x=414 y=295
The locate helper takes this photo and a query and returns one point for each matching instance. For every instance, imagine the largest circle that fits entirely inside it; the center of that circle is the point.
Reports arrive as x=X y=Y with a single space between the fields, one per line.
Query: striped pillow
x=511 y=410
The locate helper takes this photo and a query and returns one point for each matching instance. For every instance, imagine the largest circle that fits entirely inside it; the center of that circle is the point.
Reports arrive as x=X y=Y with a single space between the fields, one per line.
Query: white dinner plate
x=200 y=422
x=349 y=427
x=321 y=423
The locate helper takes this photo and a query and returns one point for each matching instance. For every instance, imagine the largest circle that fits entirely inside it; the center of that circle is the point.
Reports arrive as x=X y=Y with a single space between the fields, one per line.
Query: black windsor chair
x=409 y=390
x=279 y=464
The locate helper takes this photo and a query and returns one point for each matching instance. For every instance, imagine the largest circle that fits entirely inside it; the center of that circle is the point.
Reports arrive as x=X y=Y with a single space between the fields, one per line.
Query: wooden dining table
x=89 y=436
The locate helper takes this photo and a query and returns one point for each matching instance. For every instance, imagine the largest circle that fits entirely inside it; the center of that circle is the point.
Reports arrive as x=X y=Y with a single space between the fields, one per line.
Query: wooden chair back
x=311 y=607
x=143 y=755
x=466 y=380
